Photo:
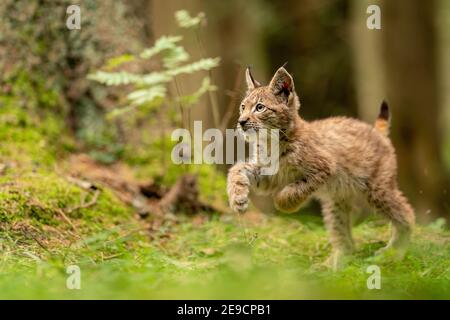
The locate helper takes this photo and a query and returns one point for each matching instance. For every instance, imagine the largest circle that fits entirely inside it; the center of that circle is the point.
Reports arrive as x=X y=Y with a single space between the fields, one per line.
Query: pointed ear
x=282 y=83
x=251 y=82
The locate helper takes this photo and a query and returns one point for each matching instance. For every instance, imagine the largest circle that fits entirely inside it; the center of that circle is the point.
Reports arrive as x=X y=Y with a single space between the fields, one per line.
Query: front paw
x=238 y=187
x=238 y=190
x=238 y=203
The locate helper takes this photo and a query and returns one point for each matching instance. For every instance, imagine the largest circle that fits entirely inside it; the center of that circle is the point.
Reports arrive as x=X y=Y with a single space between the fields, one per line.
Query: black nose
x=243 y=122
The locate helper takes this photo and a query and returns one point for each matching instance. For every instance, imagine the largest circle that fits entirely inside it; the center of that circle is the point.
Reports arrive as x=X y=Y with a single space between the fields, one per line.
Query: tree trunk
x=409 y=40
x=368 y=62
x=309 y=36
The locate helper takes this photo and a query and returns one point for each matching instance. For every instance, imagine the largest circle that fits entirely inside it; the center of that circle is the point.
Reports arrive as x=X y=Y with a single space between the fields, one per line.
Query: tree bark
x=367 y=61
x=409 y=39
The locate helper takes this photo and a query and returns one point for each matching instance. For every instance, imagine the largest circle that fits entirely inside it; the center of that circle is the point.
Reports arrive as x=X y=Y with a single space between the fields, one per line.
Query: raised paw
x=239 y=203
x=238 y=186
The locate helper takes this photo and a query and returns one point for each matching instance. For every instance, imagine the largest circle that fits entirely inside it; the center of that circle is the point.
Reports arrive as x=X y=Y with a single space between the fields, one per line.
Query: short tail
x=383 y=121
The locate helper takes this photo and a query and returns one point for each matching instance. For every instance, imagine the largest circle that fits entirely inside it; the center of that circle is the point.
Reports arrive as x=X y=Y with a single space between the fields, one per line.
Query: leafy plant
x=150 y=90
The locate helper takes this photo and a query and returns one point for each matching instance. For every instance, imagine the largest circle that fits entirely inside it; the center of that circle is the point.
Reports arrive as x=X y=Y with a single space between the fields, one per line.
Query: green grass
x=201 y=256
x=214 y=260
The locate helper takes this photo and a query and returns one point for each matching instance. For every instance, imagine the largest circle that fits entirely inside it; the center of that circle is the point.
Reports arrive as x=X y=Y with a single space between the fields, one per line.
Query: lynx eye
x=260 y=107
x=242 y=107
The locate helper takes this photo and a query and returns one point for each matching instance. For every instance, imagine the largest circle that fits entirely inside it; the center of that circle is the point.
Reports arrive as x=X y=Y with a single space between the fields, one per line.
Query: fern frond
x=163 y=43
x=118 y=61
x=202 y=64
x=147 y=95
x=191 y=99
x=154 y=78
x=114 y=78
x=174 y=56
x=124 y=78
x=150 y=89
x=185 y=20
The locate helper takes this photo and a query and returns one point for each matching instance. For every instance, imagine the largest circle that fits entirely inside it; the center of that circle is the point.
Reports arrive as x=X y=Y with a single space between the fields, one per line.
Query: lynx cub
x=334 y=160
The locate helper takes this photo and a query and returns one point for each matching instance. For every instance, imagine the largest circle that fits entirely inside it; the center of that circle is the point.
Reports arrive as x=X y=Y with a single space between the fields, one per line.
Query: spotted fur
x=334 y=160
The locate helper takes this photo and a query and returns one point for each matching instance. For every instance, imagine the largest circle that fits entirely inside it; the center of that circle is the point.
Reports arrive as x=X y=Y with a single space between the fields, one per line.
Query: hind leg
x=337 y=219
x=393 y=205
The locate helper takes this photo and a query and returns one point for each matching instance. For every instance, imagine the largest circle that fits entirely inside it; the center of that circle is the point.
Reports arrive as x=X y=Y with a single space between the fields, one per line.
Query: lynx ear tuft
x=251 y=82
x=282 y=83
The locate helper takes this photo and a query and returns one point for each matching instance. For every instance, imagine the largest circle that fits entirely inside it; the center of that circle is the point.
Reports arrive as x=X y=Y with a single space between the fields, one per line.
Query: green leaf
x=114 y=78
x=185 y=20
x=147 y=95
x=163 y=43
x=174 y=56
x=172 y=53
x=150 y=90
x=154 y=78
x=117 y=61
x=124 y=78
x=202 y=64
x=193 y=98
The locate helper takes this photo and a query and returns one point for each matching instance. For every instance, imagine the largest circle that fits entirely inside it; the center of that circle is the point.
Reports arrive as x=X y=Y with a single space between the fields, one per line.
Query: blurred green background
x=51 y=111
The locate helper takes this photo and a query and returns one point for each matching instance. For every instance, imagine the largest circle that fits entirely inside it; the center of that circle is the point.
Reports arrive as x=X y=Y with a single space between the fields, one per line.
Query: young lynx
x=334 y=160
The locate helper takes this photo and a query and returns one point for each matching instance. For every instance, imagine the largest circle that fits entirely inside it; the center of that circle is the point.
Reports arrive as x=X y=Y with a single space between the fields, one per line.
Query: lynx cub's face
x=274 y=106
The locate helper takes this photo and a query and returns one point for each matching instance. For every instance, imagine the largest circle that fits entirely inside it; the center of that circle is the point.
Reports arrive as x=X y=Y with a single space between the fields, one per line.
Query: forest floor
x=49 y=221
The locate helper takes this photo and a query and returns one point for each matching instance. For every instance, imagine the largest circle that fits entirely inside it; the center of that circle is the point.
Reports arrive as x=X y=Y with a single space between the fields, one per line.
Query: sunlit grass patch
x=213 y=260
